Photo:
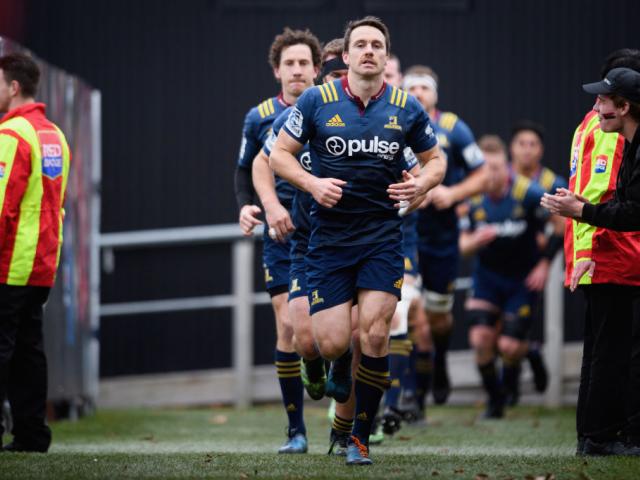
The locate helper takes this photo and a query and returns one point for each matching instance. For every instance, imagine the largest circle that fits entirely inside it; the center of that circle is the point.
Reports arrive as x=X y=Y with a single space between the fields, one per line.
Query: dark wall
x=178 y=77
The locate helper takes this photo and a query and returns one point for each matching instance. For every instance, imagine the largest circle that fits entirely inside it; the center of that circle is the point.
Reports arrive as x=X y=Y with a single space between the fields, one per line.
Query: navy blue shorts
x=297 y=278
x=439 y=272
x=275 y=261
x=511 y=295
x=335 y=274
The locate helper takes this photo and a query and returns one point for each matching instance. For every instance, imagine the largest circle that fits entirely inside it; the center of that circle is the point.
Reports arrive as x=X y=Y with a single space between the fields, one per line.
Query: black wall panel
x=178 y=77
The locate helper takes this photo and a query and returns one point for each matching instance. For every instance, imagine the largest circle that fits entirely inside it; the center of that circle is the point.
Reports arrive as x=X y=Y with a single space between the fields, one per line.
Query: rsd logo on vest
x=601 y=164
x=3 y=167
x=51 y=154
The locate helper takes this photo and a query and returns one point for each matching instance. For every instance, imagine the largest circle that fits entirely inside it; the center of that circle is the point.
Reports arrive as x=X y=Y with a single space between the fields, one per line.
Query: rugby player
x=501 y=229
x=438 y=233
x=295 y=58
x=357 y=129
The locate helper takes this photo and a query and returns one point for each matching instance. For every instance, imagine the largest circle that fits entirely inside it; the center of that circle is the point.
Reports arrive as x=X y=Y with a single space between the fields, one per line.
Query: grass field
x=531 y=443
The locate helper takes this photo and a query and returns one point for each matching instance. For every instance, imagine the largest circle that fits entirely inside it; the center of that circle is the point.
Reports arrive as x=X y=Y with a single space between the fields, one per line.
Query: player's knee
x=438 y=306
x=332 y=348
x=482 y=338
x=305 y=345
x=511 y=349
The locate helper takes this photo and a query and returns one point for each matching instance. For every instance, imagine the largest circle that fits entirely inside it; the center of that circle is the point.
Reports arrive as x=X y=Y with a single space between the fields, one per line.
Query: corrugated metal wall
x=178 y=77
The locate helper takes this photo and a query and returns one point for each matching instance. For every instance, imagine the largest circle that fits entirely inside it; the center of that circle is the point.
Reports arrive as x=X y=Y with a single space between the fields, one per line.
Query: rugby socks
x=342 y=364
x=490 y=379
x=424 y=371
x=510 y=375
x=315 y=368
x=342 y=425
x=372 y=379
x=288 y=367
x=441 y=347
x=399 y=351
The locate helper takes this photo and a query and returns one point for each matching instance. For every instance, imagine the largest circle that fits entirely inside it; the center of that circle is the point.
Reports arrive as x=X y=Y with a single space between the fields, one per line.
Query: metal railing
x=242 y=298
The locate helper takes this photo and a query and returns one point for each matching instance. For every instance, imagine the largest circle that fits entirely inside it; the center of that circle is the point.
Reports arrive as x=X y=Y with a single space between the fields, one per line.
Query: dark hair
x=333 y=48
x=290 y=37
x=24 y=70
x=530 y=126
x=368 y=21
x=492 y=144
x=634 y=107
x=622 y=58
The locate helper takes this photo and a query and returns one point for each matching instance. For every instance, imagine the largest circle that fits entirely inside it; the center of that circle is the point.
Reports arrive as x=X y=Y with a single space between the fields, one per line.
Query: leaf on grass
x=404 y=438
x=243 y=475
x=149 y=438
x=435 y=473
x=481 y=476
x=529 y=477
x=218 y=419
x=459 y=470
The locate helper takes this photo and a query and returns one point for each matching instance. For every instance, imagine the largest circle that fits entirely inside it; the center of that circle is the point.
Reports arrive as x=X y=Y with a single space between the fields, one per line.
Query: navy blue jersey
x=549 y=181
x=364 y=147
x=255 y=132
x=301 y=205
x=438 y=229
x=517 y=216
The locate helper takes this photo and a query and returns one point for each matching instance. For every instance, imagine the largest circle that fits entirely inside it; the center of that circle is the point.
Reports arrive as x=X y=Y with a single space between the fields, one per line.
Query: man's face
x=367 y=53
x=6 y=93
x=608 y=113
x=335 y=74
x=427 y=96
x=527 y=149
x=392 y=73
x=296 y=71
x=497 y=171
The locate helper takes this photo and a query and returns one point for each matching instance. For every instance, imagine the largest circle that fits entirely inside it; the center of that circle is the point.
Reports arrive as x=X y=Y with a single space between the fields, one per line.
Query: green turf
x=531 y=443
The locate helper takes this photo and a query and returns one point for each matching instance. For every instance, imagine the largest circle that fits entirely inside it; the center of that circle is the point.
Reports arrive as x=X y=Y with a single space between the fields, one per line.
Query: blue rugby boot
x=357 y=452
x=296 y=443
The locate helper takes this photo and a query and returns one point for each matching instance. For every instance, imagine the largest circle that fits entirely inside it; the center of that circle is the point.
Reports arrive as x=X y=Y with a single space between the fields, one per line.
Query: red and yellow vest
x=596 y=157
x=34 y=169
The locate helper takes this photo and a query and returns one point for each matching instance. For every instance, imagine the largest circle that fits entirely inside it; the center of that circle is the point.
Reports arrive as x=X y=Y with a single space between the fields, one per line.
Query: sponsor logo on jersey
x=294 y=122
x=601 y=164
x=429 y=131
x=338 y=146
x=316 y=298
x=335 y=121
x=51 y=154
x=3 y=167
x=393 y=123
x=305 y=161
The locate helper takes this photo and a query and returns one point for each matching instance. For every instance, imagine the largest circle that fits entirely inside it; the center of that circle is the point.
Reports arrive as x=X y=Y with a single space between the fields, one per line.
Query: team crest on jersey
x=393 y=123
x=3 y=167
x=294 y=122
x=51 y=154
x=518 y=211
x=480 y=215
x=601 y=164
x=335 y=121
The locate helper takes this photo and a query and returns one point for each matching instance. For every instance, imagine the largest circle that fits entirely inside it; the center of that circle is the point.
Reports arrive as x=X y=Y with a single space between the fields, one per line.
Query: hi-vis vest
x=596 y=157
x=34 y=168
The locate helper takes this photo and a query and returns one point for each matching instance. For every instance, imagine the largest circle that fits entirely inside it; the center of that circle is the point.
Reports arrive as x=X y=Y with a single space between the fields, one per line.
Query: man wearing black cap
x=612 y=336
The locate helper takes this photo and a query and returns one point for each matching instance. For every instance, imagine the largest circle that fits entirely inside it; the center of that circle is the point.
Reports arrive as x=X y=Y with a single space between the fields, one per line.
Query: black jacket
x=622 y=212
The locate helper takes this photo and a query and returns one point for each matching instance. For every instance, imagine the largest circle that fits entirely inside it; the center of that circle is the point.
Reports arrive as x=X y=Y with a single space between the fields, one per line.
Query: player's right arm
x=249 y=148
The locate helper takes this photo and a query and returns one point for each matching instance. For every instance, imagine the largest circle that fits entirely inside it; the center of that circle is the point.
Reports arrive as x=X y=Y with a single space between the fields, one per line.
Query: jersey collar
x=354 y=98
x=282 y=101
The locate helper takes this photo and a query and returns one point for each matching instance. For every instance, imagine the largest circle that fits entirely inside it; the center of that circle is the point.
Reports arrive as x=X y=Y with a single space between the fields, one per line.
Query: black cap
x=619 y=81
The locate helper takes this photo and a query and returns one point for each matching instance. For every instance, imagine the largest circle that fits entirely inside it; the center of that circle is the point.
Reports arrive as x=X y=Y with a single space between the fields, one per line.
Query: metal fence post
x=243 y=320
x=554 y=331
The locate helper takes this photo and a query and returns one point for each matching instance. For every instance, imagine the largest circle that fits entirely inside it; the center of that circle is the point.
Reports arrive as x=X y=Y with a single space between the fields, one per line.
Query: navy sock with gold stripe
x=424 y=370
x=398 y=364
x=342 y=425
x=372 y=379
x=288 y=367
